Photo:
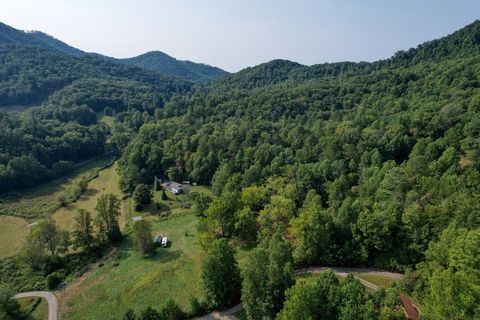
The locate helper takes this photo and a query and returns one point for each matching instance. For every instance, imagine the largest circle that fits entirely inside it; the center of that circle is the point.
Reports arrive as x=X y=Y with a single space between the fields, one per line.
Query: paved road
x=341 y=271
x=50 y=297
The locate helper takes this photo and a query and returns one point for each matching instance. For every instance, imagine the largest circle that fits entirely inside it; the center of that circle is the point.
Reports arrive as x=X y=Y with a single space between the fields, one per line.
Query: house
x=173 y=187
x=157 y=239
x=137 y=218
x=164 y=242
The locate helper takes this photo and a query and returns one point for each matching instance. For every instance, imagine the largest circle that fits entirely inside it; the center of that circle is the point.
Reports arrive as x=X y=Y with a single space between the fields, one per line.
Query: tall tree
x=108 y=211
x=141 y=196
x=267 y=274
x=143 y=236
x=220 y=214
x=64 y=241
x=9 y=307
x=33 y=253
x=47 y=234
x=312 y=230
x=220 y=275
x=83 y=230
x=320 y=299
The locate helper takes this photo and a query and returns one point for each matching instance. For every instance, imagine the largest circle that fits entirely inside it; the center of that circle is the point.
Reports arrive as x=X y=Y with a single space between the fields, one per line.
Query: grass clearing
x=138 y=281
x=13 y=235
x=108 y=120
x=378 y=280
x=38 y=201
x=105 y=182
x=36 y=310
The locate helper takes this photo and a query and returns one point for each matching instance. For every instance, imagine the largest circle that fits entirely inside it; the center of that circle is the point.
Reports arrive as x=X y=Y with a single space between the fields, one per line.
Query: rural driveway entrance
x=50 y=297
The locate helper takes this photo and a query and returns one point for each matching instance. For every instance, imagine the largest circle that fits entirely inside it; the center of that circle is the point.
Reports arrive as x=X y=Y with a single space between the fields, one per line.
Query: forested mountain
x=50 y=42
x=30 y=150
x=358 y=164
x=374 y=164
x=163 y=63
x=30 y=73
x=156 y=61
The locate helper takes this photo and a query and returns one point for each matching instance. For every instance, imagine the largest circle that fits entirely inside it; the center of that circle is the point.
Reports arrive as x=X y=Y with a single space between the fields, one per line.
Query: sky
x=234 y=34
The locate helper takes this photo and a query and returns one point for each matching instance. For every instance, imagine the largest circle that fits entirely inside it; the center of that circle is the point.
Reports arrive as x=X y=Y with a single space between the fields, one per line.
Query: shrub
x=53 y=280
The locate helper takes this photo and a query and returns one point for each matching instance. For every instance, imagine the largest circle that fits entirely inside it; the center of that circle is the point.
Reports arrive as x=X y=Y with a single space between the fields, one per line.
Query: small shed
x=137 y=218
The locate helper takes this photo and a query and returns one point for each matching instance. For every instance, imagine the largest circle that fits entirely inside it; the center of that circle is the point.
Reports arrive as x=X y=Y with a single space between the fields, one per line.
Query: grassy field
x=40 y=311
x=35 y=202
x=17 y=210
x=13 y=233
x=106 y=182
x=378 y=280
x=139 y=281
x=108 y=120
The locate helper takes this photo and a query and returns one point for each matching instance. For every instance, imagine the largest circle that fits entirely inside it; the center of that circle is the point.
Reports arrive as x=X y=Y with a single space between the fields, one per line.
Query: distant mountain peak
x=157 y=61
x=161 y=62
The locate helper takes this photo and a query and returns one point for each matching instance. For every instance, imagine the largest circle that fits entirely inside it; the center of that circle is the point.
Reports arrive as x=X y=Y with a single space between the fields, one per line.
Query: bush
x=82 y=183
x=53 y=280
x=172 y=311
x=197 y=308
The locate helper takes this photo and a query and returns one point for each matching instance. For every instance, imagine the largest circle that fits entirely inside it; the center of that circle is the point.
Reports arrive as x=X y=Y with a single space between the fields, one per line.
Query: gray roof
x=172 y=185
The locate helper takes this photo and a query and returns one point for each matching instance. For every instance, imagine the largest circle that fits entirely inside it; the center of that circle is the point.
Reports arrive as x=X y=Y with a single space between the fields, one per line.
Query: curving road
x=341 y=271
x=50 y=297
x=228 y=314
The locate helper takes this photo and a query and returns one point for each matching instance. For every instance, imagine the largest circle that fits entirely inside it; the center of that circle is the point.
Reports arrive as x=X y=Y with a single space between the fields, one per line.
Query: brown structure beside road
x=410 y=309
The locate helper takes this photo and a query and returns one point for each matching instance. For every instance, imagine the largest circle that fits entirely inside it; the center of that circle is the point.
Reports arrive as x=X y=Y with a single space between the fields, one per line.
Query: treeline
x=116 y=94
x=33 y=149
x=372 y=166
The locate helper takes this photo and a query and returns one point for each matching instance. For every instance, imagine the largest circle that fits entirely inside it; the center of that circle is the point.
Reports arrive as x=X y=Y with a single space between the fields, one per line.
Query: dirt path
x=50 y=297
x=341 y=271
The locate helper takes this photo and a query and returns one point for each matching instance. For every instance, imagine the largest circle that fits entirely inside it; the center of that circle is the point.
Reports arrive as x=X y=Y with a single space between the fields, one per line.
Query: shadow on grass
x=90 y=192
x=163 y=255
x=129 y=249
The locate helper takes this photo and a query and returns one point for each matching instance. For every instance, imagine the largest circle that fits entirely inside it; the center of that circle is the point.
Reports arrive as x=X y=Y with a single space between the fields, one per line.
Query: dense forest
x=46 y=141
x=353 y=164
x=358 y=164
x=163 y=63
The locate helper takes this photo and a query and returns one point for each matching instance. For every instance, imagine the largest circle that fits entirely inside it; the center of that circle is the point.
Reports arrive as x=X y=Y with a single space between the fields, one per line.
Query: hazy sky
x=236 y=34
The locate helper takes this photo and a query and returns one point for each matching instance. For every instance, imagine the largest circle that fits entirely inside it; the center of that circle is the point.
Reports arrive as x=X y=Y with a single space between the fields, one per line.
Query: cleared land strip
x=51 y=300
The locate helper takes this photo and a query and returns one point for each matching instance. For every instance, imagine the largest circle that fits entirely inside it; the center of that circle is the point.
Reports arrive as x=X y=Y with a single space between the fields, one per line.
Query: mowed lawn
x=13 y=235
x=138 y=281
x=106 y=182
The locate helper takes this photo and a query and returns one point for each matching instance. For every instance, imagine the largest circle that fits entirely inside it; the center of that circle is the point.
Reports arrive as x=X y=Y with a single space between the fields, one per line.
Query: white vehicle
x=164 y=242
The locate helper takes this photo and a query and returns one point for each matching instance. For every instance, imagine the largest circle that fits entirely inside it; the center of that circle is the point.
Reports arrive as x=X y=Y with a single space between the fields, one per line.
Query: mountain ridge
x=157 y=61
